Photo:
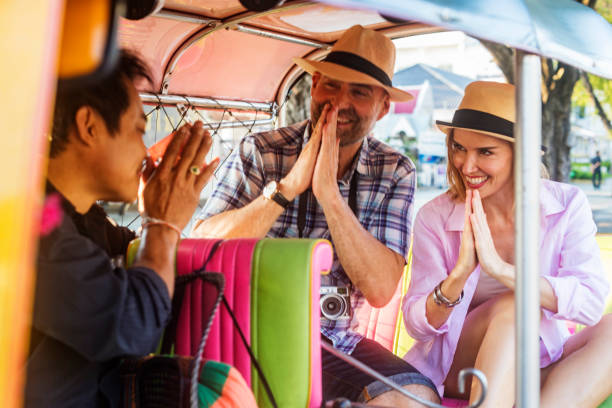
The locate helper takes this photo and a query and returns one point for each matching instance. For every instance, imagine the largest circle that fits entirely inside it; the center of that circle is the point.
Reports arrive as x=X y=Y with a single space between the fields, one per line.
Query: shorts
x=342 y=380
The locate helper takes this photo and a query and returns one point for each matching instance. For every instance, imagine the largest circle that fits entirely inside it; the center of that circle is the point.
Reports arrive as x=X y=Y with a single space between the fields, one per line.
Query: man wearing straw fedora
x=328 y=177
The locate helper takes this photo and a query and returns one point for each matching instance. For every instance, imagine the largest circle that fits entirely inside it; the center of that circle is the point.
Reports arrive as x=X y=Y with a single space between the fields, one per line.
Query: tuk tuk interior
x=211 y=60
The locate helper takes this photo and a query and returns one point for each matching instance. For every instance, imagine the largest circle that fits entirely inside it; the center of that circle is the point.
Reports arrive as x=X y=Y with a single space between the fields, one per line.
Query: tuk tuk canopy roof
x=217 y=49
x=565 y=30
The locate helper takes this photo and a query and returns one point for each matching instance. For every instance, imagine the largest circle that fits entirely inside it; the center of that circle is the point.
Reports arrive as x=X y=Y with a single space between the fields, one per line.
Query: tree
x=594 y=90
x=558 y=83
x=597 y=91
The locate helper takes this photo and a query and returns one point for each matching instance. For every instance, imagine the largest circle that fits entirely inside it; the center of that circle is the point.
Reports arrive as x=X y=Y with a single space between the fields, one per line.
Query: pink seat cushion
x=451 y=402
x=233 y=258
x=379 y=324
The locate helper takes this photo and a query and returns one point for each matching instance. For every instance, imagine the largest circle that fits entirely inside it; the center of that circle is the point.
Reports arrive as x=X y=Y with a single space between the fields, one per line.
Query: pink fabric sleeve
x=579 y=284
x=428 y=269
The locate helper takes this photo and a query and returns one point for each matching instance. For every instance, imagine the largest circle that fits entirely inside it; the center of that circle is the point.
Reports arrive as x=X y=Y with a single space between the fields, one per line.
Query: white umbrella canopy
x=561 y=29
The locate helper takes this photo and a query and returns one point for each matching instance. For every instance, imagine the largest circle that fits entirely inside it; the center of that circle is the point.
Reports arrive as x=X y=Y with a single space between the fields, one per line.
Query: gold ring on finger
x=195 y=170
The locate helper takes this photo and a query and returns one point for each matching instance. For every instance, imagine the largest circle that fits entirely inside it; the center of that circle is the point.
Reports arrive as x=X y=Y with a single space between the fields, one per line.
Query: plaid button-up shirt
x=385 y=191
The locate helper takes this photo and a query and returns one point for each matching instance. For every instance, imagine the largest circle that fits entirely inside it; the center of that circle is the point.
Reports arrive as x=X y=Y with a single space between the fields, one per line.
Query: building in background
x=449 y=61
x=449 y=51
x=410 y=126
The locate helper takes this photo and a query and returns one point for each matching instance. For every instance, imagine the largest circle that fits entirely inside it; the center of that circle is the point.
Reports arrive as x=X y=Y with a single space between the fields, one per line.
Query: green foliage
x=602 y=87
x=604 y=7
x=582 y=171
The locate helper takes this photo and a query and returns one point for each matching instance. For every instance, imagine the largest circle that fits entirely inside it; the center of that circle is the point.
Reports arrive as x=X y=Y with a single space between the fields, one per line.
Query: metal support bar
x=461 y=379
x=282 y=37
x=208 y=30
x=236 y=124
x=527 y=162
x=186 y=17
x=208 y=102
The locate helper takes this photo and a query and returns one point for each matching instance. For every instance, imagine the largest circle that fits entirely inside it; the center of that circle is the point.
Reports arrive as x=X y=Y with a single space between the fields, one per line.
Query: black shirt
x=89 y=313
x=596 y=160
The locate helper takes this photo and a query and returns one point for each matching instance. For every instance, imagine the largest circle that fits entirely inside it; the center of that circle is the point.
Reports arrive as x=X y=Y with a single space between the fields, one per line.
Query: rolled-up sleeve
x=428 y=269
x=100 y=311
x=579 y=283
x=239 y=182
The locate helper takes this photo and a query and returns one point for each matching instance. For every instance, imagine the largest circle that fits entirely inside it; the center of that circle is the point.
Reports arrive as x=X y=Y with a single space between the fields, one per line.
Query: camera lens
x=332 y=306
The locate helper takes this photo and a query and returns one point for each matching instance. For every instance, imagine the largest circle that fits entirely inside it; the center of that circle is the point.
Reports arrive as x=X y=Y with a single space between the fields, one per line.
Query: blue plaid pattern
x=384 y=196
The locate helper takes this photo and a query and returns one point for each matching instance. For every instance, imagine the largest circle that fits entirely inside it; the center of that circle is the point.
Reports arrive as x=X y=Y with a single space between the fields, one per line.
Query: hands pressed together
x=477 y=246
x=317 y=165
x=171 y=192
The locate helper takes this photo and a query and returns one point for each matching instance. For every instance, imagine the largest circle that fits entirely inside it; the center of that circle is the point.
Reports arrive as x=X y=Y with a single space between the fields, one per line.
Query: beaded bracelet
x=440 y=299
x=147 y=221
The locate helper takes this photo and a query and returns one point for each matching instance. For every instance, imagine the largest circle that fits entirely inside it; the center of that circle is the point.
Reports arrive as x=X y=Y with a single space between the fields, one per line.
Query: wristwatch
x=270 y=192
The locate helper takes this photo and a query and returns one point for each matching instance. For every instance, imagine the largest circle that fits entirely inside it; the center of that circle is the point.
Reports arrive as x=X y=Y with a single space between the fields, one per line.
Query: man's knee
x=378 y=393
x=395 y=398
x=424 y=392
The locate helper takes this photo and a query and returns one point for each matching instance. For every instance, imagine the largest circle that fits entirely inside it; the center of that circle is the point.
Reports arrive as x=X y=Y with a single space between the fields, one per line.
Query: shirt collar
x=549 y=203
x=66 y=205
x=365 y=165
x=456 y=220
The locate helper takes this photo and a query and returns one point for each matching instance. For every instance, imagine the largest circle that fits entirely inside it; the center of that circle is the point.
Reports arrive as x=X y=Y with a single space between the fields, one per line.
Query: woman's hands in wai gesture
x=477 y=246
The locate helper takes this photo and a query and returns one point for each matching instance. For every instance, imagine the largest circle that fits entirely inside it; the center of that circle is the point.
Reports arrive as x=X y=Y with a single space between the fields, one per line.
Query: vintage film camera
x=335 y=303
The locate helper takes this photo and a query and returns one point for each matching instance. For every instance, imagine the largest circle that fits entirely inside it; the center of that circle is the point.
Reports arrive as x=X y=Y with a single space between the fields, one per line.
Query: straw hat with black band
x=487 y=108
x=361 y=56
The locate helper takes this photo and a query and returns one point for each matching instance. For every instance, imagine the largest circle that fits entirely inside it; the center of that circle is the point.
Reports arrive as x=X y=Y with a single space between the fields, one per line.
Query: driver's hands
x=171 y=191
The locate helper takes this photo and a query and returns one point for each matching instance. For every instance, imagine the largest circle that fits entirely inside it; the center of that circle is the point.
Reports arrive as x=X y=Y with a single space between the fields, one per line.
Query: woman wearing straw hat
x=460 y=305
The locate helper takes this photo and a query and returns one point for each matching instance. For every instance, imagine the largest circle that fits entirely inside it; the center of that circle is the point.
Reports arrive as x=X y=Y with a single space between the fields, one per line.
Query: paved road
x=600 y=200
x=601 y=204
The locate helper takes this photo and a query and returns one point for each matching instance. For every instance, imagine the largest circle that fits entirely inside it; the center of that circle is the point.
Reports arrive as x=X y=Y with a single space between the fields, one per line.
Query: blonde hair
x=456 y=185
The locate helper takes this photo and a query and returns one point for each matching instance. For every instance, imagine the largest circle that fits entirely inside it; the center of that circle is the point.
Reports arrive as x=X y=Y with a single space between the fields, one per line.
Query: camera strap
x=303 y=204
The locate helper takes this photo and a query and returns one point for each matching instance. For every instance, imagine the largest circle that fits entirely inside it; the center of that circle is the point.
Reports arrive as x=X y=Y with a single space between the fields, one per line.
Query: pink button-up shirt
x=570 y=261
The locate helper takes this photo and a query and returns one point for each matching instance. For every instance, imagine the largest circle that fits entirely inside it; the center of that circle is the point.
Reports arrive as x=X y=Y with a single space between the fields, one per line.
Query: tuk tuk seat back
x=272 y=286
x=234 y=261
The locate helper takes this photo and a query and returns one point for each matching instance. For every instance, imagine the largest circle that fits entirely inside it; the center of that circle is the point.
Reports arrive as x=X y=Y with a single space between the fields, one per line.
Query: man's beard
x=355 y=133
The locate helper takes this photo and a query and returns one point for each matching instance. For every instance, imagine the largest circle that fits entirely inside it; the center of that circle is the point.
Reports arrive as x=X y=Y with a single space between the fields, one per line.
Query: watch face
x=269 y=189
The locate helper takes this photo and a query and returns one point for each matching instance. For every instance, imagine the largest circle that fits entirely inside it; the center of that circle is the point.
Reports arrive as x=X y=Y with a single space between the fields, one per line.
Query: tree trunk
x=558 y=82
x=598 y=107
x=504 y=58
x=556 y=110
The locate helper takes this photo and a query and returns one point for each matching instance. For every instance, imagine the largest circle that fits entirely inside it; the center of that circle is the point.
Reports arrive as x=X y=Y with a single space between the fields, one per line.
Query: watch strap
x=280 y=199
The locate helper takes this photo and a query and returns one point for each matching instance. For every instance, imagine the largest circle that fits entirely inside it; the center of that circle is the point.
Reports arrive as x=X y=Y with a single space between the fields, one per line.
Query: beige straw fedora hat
x=360 y=56
x=486 y=107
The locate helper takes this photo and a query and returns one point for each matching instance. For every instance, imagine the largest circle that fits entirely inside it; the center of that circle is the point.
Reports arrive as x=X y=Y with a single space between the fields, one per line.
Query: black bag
x=165 y=381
